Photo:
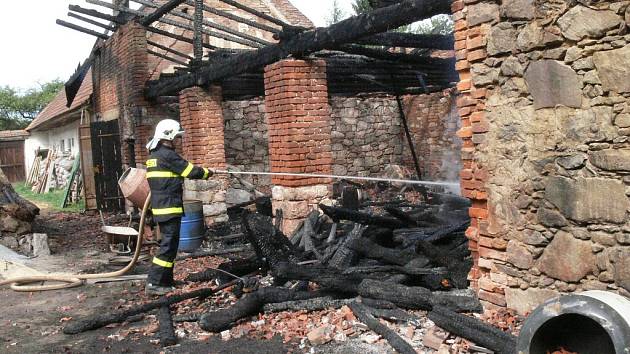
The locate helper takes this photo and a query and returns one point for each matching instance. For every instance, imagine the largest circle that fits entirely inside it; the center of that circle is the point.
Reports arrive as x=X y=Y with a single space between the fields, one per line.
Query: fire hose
x=358 y=178
x=74 y=280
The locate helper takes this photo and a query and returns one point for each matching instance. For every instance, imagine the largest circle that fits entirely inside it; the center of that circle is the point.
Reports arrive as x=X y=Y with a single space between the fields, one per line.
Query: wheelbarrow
x=121 y=239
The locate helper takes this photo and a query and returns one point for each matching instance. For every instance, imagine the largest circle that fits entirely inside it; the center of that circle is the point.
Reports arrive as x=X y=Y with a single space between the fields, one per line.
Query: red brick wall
x=120 y=69
x=433 y=122
x=298 y=113
x=119 y=75
x=201 y=116
x=469 y=46
x=143 y=135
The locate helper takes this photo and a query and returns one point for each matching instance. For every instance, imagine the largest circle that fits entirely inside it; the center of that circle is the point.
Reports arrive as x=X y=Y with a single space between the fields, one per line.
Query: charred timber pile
x=414 y=257
x=16 y=216
x=378 y=265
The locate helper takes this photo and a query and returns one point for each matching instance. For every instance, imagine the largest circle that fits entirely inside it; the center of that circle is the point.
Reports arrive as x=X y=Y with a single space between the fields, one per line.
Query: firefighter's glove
x=207 y=173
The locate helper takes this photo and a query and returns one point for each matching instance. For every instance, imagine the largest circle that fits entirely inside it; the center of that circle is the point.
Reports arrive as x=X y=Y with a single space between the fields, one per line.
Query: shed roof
x=6 y=135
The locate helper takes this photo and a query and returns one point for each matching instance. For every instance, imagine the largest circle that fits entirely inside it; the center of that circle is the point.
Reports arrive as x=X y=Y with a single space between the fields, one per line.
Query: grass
x=51 y=200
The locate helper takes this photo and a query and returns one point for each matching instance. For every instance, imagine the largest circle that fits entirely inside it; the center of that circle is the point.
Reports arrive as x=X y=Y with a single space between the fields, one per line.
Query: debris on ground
x=306 y=289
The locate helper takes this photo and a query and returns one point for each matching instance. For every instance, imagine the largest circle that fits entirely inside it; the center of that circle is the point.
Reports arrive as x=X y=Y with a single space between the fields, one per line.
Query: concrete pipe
x=592 y=322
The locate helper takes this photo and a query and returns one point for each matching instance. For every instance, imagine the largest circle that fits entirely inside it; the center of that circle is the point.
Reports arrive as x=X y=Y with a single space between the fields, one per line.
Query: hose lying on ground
x=74 y=280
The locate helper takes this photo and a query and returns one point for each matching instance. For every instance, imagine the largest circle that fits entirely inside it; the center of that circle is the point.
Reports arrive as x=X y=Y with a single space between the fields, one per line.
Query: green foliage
x=18 y=109
x=440 y=24
x=51 y=200
x=336 y=14
x=361 y=6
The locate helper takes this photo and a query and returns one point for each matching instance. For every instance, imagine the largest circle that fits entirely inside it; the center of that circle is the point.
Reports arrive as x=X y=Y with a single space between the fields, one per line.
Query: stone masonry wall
x=247 y=140
x=367 y=135
x=545 y=123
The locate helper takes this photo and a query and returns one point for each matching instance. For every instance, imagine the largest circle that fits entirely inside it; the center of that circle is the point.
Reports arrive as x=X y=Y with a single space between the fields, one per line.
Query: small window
x=62 y=145
x=72 y=144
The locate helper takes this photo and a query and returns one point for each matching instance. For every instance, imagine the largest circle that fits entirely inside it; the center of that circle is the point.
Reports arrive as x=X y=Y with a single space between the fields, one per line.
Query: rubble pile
x=16 y=217
x=385 y=266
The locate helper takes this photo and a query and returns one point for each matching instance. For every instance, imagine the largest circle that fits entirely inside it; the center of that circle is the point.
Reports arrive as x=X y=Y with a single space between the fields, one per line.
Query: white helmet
x=167 y=129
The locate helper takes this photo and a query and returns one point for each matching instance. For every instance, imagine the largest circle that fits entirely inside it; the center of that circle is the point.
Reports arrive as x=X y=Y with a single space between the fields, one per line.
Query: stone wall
x=247 y=140
x=367 y=135
x=545 y=116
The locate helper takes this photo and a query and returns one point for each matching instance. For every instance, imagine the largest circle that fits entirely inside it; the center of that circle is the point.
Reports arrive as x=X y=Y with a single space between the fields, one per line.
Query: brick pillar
x=487 y=251
x=298 y=112
x=201 y=116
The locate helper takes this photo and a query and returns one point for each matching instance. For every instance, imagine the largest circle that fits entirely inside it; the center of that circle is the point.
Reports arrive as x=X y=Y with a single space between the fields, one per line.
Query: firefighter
x=166 y=171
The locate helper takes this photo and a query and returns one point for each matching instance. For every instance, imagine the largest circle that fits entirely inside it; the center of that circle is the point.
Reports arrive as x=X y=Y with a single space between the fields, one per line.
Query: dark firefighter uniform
x=166 y=171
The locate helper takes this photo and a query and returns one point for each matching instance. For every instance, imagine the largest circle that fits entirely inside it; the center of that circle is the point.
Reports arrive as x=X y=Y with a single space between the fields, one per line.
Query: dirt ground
x=33 y=322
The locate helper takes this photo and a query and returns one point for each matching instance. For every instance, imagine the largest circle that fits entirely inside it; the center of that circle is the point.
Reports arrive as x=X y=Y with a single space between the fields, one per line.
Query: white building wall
x=34 y=141
x=52 y=139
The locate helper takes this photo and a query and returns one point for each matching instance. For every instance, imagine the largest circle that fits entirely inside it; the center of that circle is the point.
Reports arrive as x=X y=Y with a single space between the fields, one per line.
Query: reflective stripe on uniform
x=188 y=170
x=162 y=174
x=151 y=163
x=167 y=211
x=162 y=263
x=205 y=173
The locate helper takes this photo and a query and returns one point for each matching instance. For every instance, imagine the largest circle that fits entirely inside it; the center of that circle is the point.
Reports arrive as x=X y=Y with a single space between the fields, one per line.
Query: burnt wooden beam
x=209 y=23
x=82 y=29
x=94 y=13
x=171 y=22
x=168 y=100
x=198 y=32
x=92 y=22
x=170 y=50
x=211 y=33
x=345 y=31
x=236 y=18
x=235 y=36
x=177 y=37
x=363 y=314
x=396 y=57
x=410 y=40
x=256 y=13
x=160 y=12
x=100 y=319
x=166 y=57
x=226 y=29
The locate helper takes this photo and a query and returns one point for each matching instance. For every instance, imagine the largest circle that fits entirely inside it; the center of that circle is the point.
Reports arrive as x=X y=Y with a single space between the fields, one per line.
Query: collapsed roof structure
x=353 y=47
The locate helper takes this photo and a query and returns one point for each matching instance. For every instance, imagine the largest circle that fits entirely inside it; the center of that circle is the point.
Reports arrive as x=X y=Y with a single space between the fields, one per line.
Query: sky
x=36 y=50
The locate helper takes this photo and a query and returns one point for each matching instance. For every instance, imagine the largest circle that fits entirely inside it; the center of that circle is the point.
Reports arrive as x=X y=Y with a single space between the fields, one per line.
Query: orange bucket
x=134 y=186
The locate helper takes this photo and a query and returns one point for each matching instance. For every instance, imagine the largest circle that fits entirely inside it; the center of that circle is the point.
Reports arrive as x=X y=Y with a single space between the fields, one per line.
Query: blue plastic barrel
x=193 y=227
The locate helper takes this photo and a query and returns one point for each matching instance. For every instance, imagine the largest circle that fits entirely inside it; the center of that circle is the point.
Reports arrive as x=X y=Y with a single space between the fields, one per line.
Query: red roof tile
x=57 y=107
x=292 y=14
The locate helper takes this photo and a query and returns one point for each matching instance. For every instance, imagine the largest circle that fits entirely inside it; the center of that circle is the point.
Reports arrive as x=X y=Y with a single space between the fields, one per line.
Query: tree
x=336 y=14
x=361 y=6
x=440 y=24
x=18 y=109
